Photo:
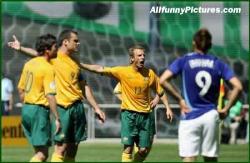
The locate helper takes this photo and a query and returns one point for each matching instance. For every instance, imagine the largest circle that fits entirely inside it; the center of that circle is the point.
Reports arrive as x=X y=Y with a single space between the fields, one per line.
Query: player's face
x=73 y=43
x=139 y=58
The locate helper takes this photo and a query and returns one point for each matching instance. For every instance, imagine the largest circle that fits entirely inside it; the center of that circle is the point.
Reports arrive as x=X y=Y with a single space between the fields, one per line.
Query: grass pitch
x=111 y=152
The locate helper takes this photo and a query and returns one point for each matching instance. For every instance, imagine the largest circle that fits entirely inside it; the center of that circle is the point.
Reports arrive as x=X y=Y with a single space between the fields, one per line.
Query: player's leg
x=5 y=107
x=59 y=151
x=128 y=134
x=41 y=133
x=189 y=137
x=136 y=148
x=127 y=153
x=36 y=125
x=71 y=152
x=61 y=137
x=210 y=134
x=146 y=135
x=77 y=130
x=233 y=131
x=41 y=154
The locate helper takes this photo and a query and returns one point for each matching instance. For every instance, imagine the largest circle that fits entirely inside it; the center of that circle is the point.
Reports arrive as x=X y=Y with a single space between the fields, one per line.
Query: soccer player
x=71 y=90
x=201 y=74
x=118 y=93
x=137 y=124
x=37 y=91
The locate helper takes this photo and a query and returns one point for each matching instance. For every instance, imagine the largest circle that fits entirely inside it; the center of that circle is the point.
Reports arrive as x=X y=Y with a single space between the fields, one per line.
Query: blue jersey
x=201 y=76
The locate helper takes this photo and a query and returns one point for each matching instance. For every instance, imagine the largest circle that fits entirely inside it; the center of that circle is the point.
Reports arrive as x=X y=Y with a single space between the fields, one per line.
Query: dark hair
x=66 y=34
x=203 y=40
x=45 y=42
x=137 y=46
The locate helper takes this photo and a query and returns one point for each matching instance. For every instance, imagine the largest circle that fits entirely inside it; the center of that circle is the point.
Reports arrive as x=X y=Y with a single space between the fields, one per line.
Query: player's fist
x=222 y=113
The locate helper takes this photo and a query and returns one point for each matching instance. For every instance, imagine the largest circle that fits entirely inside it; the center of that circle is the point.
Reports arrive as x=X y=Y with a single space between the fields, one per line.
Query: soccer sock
x=136 y=149
x=138 y=157
x=35 y=159
x=57 y=158
x=69 y=159
x=126 y=157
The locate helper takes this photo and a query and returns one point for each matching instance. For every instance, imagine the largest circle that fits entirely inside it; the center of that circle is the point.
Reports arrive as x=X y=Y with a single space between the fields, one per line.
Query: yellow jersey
x=67 y=80
x=135 y=87
x=37 y=80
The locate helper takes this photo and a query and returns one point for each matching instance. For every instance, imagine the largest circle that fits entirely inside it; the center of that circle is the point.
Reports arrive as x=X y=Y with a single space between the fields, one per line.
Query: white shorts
x=199 y=136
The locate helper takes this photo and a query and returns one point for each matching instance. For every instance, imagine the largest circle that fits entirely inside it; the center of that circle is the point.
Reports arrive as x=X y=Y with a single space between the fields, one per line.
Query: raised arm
x=93 y=68
x=16 y=45
x=165 y=83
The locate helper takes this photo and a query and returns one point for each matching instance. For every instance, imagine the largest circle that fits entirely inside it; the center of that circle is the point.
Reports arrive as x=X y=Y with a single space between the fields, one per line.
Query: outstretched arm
x=93 y=68
x=165 y=83
x=16 y=45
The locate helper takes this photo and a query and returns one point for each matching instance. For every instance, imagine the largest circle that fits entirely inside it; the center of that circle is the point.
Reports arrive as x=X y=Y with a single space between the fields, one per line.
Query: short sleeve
x=177 y=66
x=226 y=72
x=21 y=83
x=112 y=71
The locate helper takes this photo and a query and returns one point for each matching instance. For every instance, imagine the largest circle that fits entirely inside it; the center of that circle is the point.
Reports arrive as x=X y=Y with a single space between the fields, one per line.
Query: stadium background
x=107 y=29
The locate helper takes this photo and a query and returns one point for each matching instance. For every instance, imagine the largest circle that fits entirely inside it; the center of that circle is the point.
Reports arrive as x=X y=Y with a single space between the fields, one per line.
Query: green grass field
x=110 y=152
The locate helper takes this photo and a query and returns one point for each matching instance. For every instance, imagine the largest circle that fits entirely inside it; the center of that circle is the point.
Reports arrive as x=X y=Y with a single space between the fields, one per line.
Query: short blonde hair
x=137 y=46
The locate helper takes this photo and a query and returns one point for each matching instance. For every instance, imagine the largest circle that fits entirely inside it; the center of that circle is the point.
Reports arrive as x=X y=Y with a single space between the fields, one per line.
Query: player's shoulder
x=216 y=59
x=32 y=62
x=122 y=68
x=151 y=71
x=186 y=56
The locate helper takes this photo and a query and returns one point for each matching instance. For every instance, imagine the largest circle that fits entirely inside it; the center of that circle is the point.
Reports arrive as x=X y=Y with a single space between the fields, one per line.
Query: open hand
x=15 y=44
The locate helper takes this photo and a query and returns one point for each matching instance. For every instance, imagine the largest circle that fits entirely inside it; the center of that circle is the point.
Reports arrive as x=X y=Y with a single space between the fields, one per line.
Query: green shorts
x=36 y=124
x=137 y=128
x=73 y=123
